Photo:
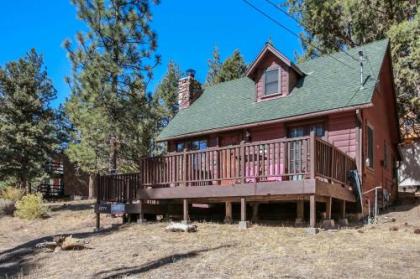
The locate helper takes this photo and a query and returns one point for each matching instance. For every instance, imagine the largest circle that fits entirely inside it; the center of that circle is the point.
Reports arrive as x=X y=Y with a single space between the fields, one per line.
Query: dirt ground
x=389 y=249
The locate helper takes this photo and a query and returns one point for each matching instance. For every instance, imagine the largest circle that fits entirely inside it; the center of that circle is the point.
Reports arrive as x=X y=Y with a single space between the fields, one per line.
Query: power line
x=290 y=31
x=297 y=21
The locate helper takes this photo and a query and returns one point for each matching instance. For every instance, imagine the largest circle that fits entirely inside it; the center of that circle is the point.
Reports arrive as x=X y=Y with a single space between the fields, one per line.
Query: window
x=180 y=147
x=369 y=159
x=306 y=131
x=199 y=145
x=271 y=84
x=191 y=145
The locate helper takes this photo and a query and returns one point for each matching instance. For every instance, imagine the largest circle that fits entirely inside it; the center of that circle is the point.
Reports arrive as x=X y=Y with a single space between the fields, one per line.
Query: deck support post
x=328 y=206
x=343 y=209
x=243 y=224
x=141 y=220
x=300 y=216
x=255 y=212
x=186 y=218
x=343 y=220
x=228 y=215
x=98 y=221
x=312 y=154
x=312 y=211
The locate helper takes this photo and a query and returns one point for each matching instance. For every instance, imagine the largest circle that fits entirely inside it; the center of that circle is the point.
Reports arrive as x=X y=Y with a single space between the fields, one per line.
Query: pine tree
x=334 y=25
x=214 y=68
x=28 y=132
x=233 y=67
x=167 y=94
x=112 y=64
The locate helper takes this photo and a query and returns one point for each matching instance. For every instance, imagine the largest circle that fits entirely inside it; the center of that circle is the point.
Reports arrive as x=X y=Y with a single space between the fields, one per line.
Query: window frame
x=188 y=144
x=278 y=92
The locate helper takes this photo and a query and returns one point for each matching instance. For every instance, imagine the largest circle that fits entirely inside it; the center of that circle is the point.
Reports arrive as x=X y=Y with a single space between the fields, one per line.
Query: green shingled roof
x=327 y=85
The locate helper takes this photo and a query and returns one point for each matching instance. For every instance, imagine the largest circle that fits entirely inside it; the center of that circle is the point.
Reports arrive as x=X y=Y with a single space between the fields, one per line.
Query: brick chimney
x=188 y=90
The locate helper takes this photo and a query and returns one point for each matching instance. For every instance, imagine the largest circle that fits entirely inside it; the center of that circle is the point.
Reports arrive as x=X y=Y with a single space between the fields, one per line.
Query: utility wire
x=289 y=30
x=297 y=21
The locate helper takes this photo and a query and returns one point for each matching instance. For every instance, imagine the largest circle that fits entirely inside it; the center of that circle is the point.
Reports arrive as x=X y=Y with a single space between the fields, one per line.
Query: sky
x=188 y=31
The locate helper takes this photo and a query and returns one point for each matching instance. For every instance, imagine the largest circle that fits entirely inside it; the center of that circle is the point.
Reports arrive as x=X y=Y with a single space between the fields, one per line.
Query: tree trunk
x=113 y=155
x=92 y=193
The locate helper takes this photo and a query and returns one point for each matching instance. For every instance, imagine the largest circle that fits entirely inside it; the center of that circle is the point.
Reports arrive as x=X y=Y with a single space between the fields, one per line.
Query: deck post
x=255 y=212
x=242 y=161
x=300 y=216
x=186 y=218
x=243 y=224
x=141 y=220
x=184 y=168
x=312 y=211
x=312 y=154
x=228 y=216
x=328 y=206
x=343 y=220
x=343 y=209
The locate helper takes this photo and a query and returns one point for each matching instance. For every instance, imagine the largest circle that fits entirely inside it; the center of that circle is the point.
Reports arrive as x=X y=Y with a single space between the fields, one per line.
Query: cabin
x=321 y=135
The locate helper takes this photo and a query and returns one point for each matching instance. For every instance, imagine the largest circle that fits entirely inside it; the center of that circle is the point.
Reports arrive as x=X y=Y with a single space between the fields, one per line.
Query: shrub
x=11 y=193
x=31 y=207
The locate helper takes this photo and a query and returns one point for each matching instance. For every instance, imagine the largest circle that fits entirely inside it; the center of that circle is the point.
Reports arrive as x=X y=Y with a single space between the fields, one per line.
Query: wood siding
x=288 y=78
x=341 y=132
x=382 y=118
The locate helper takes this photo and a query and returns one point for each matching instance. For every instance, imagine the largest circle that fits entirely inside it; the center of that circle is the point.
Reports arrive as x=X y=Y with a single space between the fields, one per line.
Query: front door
x=296 y=164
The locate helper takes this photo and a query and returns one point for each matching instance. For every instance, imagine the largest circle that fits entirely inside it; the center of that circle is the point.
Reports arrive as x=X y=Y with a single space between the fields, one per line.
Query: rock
x=393 y=229
x=243 y=225
x=7 y=207
x=360 y=231
x=417 y=231
x=343 y=222
x=311 y=231
x=181 y=227
x=328 y=224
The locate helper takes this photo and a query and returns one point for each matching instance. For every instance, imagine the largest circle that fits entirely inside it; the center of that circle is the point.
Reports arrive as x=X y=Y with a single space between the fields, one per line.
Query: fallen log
x=71 y=243
x=181 y=227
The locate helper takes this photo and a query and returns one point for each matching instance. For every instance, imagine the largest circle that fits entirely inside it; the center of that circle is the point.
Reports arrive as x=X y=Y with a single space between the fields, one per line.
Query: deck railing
x=275 y=160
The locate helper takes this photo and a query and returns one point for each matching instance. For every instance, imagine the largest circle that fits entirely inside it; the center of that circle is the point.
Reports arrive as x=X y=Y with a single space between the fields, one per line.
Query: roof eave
x=266 y=122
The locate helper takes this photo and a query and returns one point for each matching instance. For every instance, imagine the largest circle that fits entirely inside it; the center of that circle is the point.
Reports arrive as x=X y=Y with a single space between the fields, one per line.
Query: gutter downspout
x=359 y=150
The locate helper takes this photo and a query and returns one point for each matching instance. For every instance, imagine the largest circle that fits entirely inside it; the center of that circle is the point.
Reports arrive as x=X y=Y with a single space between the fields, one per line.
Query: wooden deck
x=305 y=168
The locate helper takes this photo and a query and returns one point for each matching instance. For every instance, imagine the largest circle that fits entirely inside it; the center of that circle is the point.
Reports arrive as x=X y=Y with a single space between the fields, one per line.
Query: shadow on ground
x=17 y=260
x=71 y=207
x=134 y=270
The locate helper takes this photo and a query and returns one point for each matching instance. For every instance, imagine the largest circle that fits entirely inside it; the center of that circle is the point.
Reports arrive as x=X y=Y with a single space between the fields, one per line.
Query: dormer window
x=271 y=84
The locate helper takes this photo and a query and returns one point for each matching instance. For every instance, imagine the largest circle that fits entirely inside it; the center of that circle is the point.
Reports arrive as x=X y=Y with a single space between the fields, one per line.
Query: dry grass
x=216 y=250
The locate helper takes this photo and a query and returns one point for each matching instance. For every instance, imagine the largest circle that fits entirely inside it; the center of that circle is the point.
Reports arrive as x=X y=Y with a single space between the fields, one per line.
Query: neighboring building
x=285 y=132
x=409 y=169
x=64 y=180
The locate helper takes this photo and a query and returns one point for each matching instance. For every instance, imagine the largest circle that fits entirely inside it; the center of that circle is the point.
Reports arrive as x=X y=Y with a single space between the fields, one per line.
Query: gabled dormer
x=274 y=74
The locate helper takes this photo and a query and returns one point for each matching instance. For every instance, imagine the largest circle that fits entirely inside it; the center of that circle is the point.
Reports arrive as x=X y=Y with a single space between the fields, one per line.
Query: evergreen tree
x=233 y=67
x=28 y=132
x=112 y=64
x=334 y=25
x=214 y=68
x=167 y=94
